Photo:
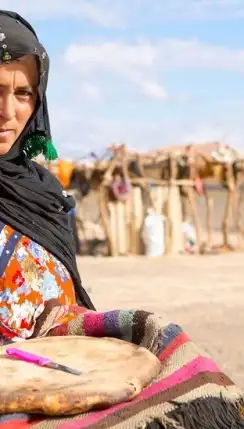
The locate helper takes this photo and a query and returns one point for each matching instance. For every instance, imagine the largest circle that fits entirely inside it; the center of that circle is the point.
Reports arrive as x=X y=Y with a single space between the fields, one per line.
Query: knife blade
x=39 y=360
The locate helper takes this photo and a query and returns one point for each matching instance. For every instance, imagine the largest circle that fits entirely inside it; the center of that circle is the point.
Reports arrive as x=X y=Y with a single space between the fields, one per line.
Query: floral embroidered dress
x=30 y=276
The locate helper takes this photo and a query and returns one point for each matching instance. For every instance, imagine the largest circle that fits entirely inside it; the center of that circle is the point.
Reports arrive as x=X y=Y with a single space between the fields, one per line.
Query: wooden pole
x=230 y=203
x=103 y=205
x=169 y=223
x=192 y=200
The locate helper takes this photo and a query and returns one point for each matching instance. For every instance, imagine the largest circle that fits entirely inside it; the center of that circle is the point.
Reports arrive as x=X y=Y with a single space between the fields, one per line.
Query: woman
x=37 y=248
x=40 y=284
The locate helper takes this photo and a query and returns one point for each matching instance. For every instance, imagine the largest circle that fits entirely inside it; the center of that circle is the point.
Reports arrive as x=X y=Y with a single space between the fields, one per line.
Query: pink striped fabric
x=196 y=366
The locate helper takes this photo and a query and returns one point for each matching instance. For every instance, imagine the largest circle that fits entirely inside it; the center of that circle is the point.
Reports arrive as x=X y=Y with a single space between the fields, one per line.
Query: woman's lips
x=5 y=131
x=4 y=134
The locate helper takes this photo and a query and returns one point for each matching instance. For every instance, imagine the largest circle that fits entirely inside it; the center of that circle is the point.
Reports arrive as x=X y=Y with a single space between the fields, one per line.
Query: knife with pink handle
x=39 y=360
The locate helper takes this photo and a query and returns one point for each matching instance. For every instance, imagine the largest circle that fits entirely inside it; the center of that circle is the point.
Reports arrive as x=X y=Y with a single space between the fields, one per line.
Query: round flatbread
x=113 y=371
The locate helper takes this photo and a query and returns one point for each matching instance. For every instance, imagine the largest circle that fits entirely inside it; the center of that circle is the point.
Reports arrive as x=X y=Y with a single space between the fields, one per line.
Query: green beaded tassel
x=40 y=145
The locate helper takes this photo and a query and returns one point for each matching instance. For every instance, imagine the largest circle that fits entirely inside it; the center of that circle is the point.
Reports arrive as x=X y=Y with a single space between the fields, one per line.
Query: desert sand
x=203 y=294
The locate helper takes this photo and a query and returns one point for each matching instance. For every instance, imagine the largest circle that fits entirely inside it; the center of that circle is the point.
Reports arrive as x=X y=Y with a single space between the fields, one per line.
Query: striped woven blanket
x=190 y=392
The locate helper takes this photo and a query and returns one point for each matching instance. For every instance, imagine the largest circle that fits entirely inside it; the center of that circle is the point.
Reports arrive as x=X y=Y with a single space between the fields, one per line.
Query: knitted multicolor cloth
x=191 y=392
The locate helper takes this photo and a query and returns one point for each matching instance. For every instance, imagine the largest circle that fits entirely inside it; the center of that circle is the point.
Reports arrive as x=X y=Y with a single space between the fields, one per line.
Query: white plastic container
x=153 y=233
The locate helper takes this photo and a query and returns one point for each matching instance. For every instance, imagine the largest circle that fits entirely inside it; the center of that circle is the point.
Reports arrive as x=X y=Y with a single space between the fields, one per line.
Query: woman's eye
x=24 y=93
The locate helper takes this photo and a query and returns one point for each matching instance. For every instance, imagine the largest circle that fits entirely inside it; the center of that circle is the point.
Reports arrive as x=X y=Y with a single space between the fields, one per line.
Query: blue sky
x=150 y=73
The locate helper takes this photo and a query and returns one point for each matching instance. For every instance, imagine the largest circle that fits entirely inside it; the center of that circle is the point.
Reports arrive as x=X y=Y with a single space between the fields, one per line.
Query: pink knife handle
x=27 y=357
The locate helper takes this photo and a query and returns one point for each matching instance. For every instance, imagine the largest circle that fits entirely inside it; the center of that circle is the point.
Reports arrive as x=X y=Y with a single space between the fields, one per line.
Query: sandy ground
x=204 y=294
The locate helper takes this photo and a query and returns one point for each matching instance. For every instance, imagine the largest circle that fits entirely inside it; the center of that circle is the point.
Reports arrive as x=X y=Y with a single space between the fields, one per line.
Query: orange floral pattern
x=30 y=276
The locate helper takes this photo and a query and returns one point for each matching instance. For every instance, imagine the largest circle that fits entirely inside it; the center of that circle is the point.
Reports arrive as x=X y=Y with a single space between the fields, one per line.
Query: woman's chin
x=5 y=146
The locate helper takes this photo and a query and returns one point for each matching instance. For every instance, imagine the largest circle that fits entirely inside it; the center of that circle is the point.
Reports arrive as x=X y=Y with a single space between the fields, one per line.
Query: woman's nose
x=7 y=107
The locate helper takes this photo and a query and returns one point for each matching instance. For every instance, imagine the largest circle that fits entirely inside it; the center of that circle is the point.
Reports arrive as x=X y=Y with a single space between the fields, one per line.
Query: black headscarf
x=32 y=200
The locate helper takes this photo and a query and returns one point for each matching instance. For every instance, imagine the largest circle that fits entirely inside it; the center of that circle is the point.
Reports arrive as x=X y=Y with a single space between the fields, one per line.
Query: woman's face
x=18 y=94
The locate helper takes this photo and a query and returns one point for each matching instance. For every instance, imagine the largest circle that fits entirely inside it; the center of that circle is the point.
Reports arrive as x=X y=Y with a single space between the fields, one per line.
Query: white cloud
x=132 y=62
x=176 y=54
x=114 y=55
x=143 y=64
x=152 y=89
x=116 y=13
x=90 y=92
x=126 y=59
x=98 y=11
x=193 y=9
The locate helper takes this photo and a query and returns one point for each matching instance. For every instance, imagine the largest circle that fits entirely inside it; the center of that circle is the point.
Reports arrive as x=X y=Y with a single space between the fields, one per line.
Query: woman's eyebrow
x=25 y=87
x=22 y=87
